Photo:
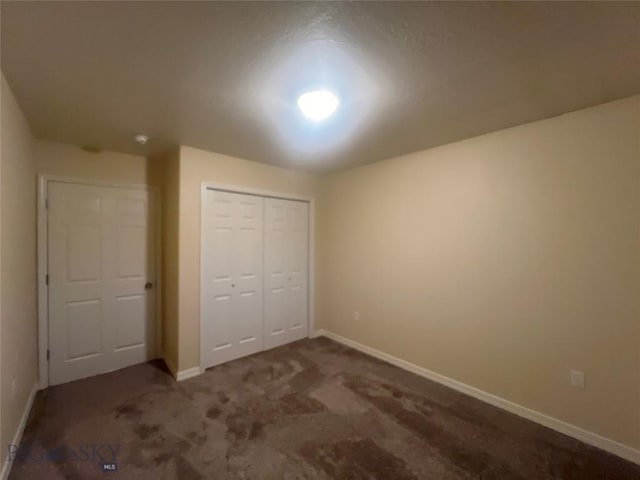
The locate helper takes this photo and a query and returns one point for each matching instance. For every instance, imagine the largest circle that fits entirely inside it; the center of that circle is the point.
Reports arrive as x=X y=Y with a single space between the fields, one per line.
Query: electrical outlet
x=356 y=315
x=576 y=379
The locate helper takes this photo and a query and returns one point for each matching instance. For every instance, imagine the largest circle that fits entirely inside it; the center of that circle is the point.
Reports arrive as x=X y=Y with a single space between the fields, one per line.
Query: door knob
x=148 y=286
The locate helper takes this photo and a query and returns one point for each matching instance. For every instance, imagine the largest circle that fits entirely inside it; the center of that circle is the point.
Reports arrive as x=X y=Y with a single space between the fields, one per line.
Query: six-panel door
x=101 y=255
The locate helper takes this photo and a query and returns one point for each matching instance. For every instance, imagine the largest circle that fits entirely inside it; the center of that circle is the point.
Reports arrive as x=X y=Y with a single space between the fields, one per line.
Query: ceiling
x=225 y=76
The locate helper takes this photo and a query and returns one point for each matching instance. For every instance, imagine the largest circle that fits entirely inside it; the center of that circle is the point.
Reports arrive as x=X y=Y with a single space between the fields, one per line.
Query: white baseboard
x=611 y=446
x=17 y=438
x=181 y=375
x=188 y=373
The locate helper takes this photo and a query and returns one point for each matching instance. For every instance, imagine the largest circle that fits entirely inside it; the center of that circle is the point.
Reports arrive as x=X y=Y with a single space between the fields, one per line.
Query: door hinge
x=46 y=203
x=46 y=279
x=48 y=355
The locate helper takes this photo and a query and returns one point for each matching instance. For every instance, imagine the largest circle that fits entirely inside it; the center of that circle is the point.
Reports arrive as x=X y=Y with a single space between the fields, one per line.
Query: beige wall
x=502 y=261
x=170 y=258
x=61 y=159
x=197 y=166
x=18 y=297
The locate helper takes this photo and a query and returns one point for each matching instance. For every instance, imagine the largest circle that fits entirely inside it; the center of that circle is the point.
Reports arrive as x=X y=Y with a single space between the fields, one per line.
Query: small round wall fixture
x=318 y=105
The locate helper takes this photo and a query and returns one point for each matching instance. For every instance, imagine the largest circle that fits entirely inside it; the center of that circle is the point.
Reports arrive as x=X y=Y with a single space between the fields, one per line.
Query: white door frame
x=312 y=246
x=43 y=255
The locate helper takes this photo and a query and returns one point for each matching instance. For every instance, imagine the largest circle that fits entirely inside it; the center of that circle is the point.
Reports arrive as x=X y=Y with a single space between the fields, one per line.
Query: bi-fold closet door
x=286 y=275
x=254 y=274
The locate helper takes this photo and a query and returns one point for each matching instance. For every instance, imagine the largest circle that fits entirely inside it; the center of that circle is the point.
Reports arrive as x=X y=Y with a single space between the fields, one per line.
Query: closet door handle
x=148 y=286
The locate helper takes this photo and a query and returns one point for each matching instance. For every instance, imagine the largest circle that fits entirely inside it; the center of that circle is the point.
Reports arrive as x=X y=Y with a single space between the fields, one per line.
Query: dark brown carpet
x=313 y=409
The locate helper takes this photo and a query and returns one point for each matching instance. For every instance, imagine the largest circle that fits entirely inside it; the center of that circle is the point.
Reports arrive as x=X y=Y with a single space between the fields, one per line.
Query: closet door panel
x=218 y=251
x=248 y=273
x=275 y=247
x=232 y=308
x=286 y=271
x=297 y=278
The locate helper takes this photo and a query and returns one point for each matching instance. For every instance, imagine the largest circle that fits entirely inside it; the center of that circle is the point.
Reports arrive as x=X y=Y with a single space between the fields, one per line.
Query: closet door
x=232 y=276
x=286 y=271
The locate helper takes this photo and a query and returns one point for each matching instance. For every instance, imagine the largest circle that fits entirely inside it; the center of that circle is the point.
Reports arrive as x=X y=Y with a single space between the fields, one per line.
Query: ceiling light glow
x=318 y=104
x=141 y=139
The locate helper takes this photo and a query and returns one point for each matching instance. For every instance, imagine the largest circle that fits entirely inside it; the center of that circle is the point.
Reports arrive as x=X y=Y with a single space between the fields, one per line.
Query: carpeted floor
x=313 y=409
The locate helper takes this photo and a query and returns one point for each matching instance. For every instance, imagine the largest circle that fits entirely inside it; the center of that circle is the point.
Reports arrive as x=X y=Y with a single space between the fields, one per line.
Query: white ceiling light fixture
x=141 y=139
x=318 y=105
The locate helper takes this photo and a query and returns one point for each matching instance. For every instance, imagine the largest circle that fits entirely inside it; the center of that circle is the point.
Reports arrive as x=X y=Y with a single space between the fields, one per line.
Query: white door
x=232 y=276
x=101 y=266
x=286 y=258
